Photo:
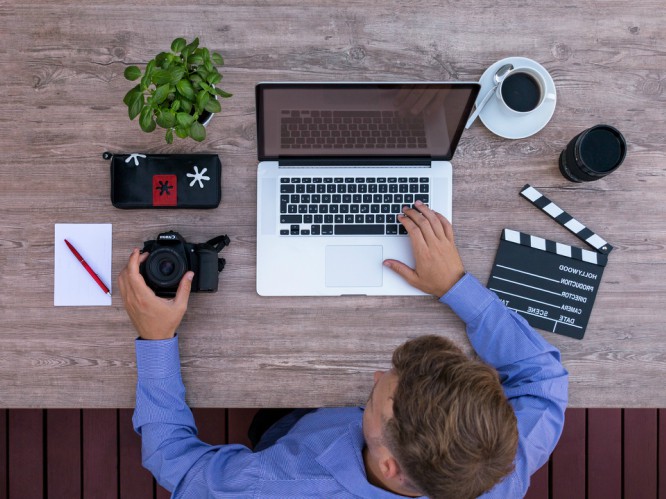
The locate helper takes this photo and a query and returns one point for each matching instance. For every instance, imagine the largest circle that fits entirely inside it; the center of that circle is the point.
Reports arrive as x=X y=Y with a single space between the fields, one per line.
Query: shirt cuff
x=157 y=358
x=468 y=298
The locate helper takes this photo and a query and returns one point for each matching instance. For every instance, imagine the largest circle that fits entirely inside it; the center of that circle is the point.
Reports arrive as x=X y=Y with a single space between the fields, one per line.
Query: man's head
x=438 y=423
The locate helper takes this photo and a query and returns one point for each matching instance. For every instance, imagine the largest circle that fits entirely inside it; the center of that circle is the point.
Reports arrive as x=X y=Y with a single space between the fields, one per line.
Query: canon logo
x=167 y=236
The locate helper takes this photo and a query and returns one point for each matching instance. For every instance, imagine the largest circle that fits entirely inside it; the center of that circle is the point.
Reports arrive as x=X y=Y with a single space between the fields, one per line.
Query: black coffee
x=600 y=150
x=521 y=92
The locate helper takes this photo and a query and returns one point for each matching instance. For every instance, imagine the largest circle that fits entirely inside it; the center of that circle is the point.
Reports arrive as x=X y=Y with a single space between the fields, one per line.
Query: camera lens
x=165 y=268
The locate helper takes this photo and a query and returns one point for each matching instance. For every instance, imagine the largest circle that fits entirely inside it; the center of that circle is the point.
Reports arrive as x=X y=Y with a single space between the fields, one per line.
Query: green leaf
x=128 y=96
x=213 y=106
x=196 y=60
x=214 y=78
x=209 y=66
x=206 y=54
x=186 y=106
x=178 y=45
x=193 y=46
x=185 y=89
x=202 y=99
x=161 y=93
x=135 y=105
x=169 y=136
x=183 y=133
x=202 y=73
x=207 y=87
x=175 y=74
x=222 y=93
x=132 y=73
x=161 y=76
x=175 y=106
x=217 y=59
x=161 y=58
x=197 y=131
x=146 y=120
x=166 y=119
x=184 y=119
x=195 y=78
x=145 y=82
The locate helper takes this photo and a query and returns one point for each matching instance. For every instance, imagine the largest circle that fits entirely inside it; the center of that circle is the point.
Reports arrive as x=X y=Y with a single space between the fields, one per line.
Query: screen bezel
x=260 y=87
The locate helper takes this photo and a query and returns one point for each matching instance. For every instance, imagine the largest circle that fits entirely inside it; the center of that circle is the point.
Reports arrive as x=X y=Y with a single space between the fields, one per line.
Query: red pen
x=87 y=267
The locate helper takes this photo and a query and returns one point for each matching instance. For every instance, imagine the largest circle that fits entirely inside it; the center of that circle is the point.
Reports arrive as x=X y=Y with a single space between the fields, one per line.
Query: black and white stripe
x=564 y=219
x=539 y=243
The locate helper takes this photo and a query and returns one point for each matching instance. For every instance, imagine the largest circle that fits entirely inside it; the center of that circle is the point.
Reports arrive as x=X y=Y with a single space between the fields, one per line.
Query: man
x=437 y=424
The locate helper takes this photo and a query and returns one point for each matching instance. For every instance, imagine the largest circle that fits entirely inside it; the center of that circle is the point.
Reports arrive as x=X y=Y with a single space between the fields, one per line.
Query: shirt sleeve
x=170 y=448
x=530 y=370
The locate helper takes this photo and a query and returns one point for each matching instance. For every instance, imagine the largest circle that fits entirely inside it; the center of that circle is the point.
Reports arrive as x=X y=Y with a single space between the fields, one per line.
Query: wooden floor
x=94 y=453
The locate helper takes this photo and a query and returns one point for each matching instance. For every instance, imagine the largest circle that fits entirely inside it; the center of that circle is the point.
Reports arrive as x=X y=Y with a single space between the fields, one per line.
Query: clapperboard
x=552 y=285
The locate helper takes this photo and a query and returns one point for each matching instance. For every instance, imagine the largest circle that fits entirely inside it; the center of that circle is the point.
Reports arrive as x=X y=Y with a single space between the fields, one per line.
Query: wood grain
x=62 y=65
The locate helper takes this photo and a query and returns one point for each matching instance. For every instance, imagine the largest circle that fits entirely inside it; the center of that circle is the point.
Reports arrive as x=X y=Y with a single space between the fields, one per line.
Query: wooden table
x=62 y=79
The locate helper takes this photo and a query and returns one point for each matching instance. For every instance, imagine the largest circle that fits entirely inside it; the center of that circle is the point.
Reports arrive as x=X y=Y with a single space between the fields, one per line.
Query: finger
x=413 y=230
x=446 y=225
x=407 y=273
x=184 y=288
x=423 y=223
x=133 y=264
x=432 y=218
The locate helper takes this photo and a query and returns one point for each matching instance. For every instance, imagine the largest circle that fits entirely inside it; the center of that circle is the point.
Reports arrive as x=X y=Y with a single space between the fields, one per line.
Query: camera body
x=171 y=257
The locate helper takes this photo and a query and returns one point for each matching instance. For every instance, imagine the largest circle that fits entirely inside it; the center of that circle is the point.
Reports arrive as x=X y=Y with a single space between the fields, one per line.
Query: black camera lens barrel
x=593 y=154
x=165 y=267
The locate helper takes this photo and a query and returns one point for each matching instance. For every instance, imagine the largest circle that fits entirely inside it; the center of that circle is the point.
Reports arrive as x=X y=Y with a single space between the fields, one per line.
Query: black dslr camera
x=171 y=256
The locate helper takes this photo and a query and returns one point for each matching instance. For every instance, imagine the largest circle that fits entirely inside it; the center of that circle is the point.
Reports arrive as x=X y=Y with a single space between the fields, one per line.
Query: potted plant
x=177 y=91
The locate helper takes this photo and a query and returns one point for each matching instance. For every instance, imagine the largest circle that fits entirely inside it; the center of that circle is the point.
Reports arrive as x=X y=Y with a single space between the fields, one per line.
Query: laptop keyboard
x=351 y=130
x=326 y=206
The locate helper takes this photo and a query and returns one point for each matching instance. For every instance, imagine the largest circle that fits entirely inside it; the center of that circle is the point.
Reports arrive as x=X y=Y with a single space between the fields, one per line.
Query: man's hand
x=438 y=264
x=153 y=317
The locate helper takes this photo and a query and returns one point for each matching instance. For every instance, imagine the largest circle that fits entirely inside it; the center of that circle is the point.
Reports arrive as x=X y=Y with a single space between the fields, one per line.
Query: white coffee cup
x=523 y=91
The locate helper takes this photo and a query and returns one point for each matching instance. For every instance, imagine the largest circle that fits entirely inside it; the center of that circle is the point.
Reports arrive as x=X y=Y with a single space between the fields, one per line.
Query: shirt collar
x=350 y=472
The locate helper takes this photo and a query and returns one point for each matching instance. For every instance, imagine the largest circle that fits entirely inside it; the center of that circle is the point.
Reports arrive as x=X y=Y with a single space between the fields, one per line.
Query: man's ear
x=389 y=467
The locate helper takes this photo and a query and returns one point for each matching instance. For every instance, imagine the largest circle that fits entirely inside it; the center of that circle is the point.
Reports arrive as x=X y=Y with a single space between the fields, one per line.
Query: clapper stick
x=565 y=220
x=552 y=285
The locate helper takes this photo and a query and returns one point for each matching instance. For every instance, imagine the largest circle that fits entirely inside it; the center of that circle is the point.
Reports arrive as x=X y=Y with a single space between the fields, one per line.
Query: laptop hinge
x=348 y=161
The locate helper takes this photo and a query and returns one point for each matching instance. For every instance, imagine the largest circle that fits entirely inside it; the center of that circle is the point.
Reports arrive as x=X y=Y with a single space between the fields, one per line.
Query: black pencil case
x=165 y=180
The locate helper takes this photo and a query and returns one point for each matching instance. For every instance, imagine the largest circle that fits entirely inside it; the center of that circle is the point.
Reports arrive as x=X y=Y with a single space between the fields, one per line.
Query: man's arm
x=170 y=448
x=533 y=378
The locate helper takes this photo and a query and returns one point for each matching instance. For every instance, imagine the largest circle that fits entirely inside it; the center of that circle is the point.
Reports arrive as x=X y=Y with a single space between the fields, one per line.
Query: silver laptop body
x=337 y=163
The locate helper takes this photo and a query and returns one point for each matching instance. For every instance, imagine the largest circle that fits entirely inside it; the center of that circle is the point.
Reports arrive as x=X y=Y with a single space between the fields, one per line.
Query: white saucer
x=501 y=121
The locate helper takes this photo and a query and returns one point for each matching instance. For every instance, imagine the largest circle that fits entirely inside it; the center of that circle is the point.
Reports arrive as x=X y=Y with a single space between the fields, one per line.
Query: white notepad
x=73 y=285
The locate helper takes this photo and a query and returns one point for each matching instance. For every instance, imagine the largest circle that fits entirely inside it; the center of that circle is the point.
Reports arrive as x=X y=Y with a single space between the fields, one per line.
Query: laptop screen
x=362 y=120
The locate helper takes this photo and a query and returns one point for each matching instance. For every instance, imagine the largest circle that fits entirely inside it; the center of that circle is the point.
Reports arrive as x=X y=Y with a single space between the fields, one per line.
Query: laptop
x=337 y=162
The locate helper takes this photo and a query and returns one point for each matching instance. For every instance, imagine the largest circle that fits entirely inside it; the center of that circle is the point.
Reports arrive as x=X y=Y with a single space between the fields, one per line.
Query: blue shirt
x=321 y=456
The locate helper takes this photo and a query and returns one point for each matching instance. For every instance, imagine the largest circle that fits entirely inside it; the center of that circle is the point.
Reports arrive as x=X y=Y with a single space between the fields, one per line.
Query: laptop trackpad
x=354 y=266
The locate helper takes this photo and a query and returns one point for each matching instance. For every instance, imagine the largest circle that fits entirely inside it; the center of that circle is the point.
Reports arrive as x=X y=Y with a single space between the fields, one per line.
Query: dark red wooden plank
x=239 y=422
x=604 y=453
x=100 y=453
x=568 y=459
x=539 y=484
x=135 y=480
x=26 y=453
x=63 y=452
x=640 y=453
x=662 y=453
x=161 y=493
x=3 y=453
x=211 y=425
